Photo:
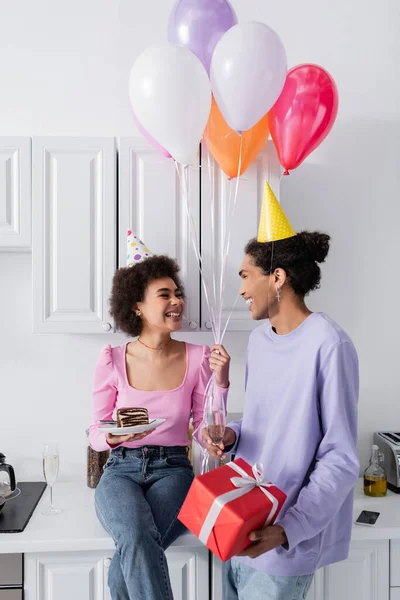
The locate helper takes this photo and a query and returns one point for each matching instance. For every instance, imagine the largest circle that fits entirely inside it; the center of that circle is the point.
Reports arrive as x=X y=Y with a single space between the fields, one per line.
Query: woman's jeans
x=137 y=501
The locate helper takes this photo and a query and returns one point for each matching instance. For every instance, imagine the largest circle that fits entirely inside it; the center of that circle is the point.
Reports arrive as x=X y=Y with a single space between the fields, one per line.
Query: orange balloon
x=224 y=143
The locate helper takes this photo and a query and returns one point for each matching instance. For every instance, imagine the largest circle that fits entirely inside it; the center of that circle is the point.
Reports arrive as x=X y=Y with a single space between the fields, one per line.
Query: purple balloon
x=198 y=25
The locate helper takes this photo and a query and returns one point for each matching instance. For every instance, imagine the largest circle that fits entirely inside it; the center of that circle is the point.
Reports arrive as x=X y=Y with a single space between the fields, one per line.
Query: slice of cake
x=129 y=417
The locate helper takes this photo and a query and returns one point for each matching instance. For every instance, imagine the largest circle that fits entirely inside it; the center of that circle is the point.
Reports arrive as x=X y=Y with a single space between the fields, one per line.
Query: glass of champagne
x=216 y=417
x=51 y=462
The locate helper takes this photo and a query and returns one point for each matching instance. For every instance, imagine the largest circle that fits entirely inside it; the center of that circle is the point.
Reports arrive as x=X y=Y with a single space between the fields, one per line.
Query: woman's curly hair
x=129 y=287
x=297 y=256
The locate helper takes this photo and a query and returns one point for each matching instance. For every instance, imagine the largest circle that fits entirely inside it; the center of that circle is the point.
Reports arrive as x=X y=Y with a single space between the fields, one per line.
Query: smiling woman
x=143 y=486
x=155 y=281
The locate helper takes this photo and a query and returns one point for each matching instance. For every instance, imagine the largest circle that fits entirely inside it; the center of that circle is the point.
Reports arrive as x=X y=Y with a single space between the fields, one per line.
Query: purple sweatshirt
x=300 y=422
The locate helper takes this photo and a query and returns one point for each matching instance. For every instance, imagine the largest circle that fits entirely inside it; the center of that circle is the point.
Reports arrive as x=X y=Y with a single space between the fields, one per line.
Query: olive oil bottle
x=375 y=479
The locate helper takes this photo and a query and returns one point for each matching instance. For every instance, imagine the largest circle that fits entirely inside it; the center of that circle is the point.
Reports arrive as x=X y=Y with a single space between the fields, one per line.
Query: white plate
x=127 y=430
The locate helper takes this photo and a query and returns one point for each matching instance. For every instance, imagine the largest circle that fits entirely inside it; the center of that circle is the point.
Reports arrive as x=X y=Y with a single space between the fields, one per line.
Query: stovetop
x=17 y=512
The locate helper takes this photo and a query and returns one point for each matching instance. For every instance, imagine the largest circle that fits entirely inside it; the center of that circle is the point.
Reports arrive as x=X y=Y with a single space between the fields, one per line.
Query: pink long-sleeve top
x=112 y=390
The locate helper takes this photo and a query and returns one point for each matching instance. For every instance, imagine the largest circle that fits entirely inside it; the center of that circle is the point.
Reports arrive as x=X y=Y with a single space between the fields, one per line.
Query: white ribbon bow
x=247 y=480
x=243 y=484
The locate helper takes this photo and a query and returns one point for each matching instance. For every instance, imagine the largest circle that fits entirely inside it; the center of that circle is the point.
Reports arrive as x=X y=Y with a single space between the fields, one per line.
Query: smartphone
x=368 y=518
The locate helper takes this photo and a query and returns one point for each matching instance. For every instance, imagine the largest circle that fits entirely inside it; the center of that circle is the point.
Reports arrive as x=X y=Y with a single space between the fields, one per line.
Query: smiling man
x=300 y=415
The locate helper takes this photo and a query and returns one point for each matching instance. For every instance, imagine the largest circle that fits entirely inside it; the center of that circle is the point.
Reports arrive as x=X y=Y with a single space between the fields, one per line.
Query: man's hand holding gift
x=266 y=539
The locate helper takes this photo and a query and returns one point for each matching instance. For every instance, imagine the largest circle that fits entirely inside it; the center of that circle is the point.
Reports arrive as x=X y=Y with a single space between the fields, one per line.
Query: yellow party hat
x=274 y=224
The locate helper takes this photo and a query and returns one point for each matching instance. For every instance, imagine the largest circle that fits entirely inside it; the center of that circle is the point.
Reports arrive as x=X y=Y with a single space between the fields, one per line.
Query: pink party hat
x=137 y=251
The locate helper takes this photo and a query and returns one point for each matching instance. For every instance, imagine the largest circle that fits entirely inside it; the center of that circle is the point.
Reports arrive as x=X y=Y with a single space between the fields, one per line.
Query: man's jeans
x=137 y=501
x=241 y=582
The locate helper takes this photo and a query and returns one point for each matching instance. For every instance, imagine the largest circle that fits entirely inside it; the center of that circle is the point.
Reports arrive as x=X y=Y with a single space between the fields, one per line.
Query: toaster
x=389 y=445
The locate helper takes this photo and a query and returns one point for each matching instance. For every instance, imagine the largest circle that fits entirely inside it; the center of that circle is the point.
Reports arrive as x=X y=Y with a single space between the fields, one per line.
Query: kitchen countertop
x=77 y=529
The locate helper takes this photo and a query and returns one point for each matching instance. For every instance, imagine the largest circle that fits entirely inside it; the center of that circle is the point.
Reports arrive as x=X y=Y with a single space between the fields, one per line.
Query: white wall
x=63 y=71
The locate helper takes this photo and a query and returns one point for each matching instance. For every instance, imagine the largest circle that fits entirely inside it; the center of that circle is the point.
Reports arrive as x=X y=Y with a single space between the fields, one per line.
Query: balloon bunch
x=227 y=82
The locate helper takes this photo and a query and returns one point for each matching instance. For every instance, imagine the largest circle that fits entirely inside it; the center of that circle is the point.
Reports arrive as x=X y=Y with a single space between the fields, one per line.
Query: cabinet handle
x=208 y=325
x=107 y=326
x=107 y=562
x=193 y=325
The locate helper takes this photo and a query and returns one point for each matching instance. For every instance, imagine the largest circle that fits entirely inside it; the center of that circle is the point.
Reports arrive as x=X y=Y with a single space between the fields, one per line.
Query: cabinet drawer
x=395 y=563
x=395 y=593
x=10 y=594
x=10 y=569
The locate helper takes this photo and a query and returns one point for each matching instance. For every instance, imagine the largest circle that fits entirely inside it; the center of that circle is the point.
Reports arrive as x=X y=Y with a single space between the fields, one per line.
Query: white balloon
x=170 y=94
x=248 y=72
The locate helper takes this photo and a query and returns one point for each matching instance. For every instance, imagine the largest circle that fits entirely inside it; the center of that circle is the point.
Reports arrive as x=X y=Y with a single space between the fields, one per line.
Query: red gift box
x=225 y=505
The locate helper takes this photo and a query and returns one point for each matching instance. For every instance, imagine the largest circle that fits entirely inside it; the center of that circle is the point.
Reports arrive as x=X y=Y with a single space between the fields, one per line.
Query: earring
x=278 y=294
x=138 y=313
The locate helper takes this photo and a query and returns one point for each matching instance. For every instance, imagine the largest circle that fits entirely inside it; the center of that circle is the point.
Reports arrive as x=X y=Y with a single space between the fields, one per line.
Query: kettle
x=7 y=478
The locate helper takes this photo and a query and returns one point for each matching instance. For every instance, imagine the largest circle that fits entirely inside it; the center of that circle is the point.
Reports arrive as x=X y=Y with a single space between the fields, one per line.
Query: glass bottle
x=190 y=438
x=95 y=465
x=375 y=479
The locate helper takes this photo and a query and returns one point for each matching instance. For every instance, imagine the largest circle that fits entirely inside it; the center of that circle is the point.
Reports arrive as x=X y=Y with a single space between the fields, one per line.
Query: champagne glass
x=216 y=416
x=50 y=471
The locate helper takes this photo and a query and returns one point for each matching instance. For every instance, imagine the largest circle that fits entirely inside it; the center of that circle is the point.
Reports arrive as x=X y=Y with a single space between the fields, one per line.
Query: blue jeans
x=240 y=582
x=137 y=501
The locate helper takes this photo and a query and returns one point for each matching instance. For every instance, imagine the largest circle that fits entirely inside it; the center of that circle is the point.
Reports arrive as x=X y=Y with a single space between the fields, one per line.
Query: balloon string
x=229 y=317
x=216 y=323
x=227 y=243
x=211 y=172
x=224 y=255
x=270 y=272
x=194 y=238
x=207 y=396
x=230 y=133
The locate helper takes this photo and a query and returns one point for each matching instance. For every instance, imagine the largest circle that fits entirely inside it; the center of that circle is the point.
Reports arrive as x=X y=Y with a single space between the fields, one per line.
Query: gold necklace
x=150 y=348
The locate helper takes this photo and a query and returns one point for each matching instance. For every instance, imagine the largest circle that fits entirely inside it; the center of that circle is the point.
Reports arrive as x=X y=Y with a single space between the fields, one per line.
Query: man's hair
x=298 y=256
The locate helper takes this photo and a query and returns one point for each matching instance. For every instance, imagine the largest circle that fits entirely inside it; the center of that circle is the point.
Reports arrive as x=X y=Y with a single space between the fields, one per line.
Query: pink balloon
x=150 y=138
x=303 y=115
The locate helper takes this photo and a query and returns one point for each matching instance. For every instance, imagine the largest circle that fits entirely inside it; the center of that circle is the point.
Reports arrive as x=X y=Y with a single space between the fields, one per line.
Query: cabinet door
x=365 y=574
x=151 y=204
x=216 y=578
x=316 y=590
x=107 y=562
x=15 y=193
x=64 y=575
x=394 y=563
x=217 y=194
x=74 y=231
x=314 y=593
x=188 y=570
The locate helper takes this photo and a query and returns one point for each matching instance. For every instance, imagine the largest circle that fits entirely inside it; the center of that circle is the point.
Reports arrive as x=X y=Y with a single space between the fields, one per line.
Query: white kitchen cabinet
x=395 y=593
x=74 y=233
x=65 y=575
x=216 y=192
x=364 y=575
x=395 y=563
x=188 y=570
x=151 y=203
x=216 y=578
x=15 y=193
x=316 y=590
x=83 y=575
